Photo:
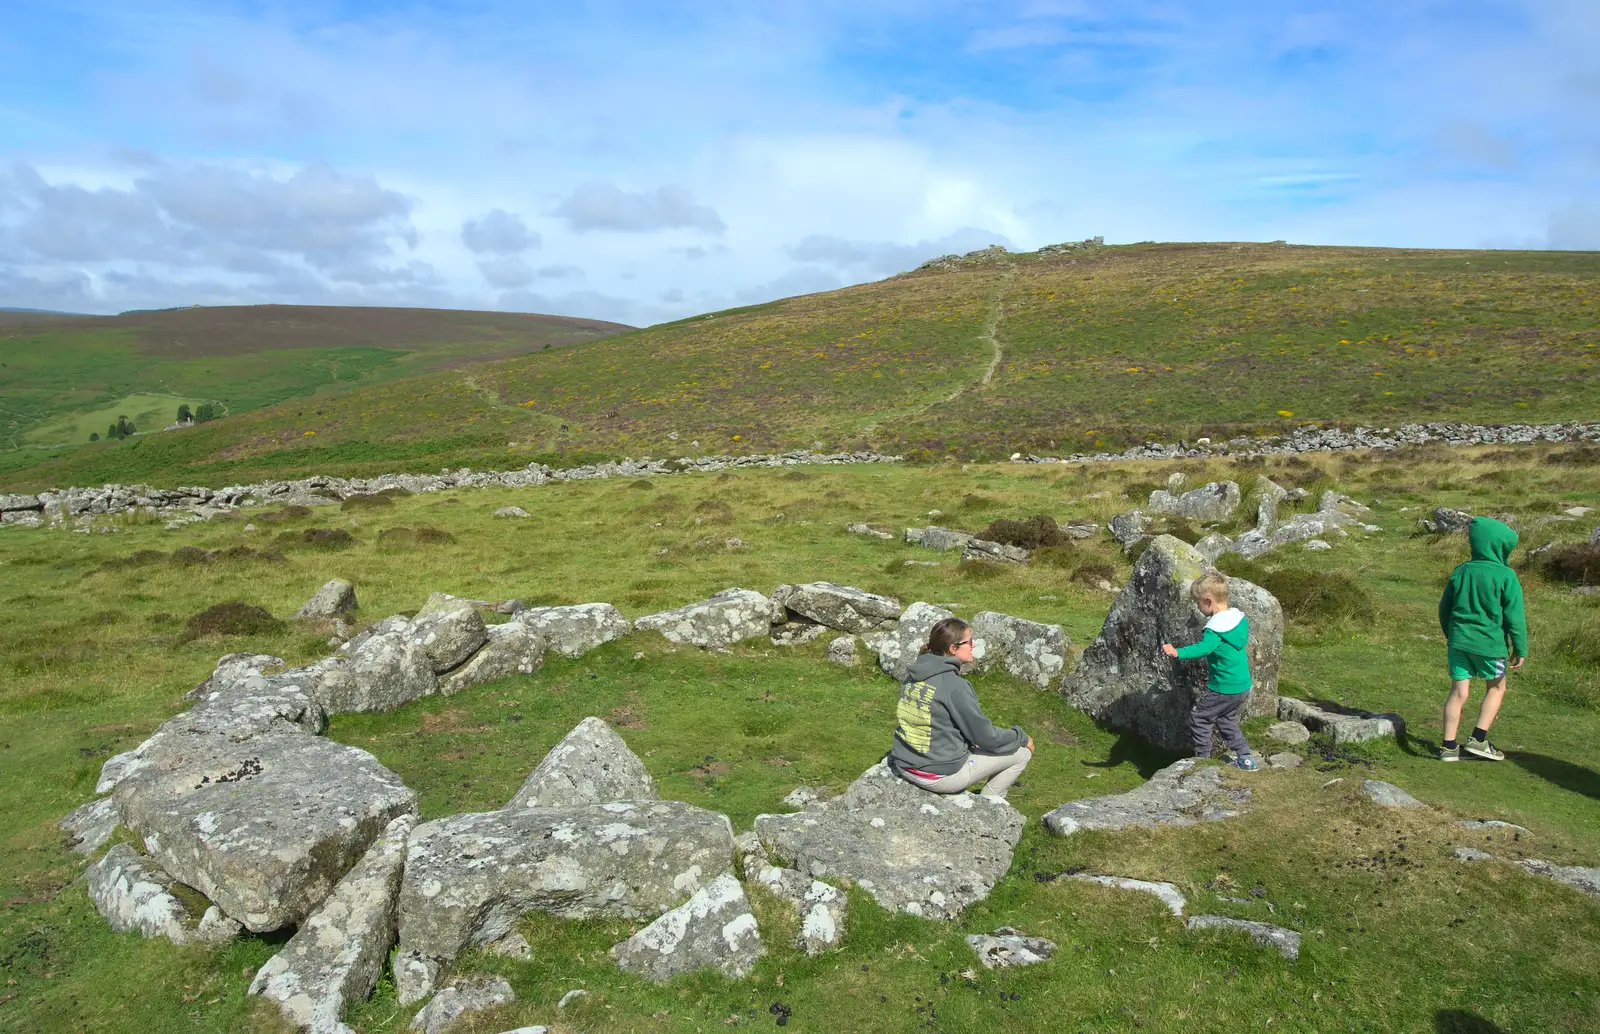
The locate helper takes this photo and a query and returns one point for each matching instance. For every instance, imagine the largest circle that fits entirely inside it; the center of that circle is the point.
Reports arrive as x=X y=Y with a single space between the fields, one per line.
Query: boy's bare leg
x=1457 y=699
x=1495 y=693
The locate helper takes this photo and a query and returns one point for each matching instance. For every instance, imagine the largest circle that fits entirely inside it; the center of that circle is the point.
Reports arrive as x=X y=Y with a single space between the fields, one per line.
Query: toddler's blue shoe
x=1247 y=762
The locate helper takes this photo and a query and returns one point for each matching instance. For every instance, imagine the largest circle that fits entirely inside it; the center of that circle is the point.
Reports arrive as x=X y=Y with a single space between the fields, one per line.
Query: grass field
x=59 y=376
x=1398 y=936
x=1088 y=350
x=147 y=412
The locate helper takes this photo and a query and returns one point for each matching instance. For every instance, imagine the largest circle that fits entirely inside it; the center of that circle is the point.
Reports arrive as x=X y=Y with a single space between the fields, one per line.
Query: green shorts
x=1464 y=665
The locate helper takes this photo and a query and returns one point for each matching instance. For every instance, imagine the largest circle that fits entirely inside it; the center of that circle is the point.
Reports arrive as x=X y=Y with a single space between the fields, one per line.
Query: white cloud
x=602 y=205
x=499 y=232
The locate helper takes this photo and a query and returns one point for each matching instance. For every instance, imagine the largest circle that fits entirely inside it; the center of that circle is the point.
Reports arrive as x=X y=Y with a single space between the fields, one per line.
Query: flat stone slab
x=916 y=852
x=935 y=537
x=591 y=765
x=1340 y=726
x=338 y=954
x=573 y=631
x=728 y=617
x=1181 y=794
x=844 y=607
x=469 y=878
x=237 y=800
x=1585 y=879
x=714 y=929
x=135 y=895
x=1168 y=893
x=1388 y=795
x=1285 y=942
x=1490 y=824
x=467 y=995
x=1008 y=947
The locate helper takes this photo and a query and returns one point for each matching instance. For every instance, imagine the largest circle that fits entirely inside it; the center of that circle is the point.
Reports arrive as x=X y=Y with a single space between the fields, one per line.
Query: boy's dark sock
x=1480 y=734
x=1450 y=744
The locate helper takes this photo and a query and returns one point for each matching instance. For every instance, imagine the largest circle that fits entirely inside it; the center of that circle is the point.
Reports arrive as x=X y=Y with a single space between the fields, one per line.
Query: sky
x=648 y=161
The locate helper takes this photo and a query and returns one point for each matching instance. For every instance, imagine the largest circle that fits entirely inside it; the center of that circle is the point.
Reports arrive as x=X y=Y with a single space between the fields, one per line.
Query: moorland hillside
x=1057 y=351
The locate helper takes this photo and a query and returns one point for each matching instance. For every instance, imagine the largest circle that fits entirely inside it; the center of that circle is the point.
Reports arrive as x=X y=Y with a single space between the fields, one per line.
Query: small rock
x=1490 y=824
x=1341 y=727
x=336 y=597
x=466 y=995
x=1315 y=545
x=819 y=907
x=868 y=530
x=795 y=633
x=1285 y=760
x=1288 y=732
x=801 y=797
x=1584 y=879
x=1008 y=946
x=571 y=996
x=512 y=946
x=1471 y=854
x=511 y=511
x=843 y=651
x=1287 y=942
x=1169 y=894
x=1388 y=795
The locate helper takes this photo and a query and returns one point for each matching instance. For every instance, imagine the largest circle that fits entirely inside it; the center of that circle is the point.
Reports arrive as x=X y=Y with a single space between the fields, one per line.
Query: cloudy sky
x=649 y=160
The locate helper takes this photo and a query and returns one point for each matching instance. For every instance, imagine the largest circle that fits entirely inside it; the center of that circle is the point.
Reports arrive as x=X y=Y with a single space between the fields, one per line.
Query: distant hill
x=63 y=373
x=1067 y=349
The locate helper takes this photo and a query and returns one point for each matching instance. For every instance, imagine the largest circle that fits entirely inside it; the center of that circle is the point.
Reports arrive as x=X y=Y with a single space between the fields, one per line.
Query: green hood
x=1491 y=540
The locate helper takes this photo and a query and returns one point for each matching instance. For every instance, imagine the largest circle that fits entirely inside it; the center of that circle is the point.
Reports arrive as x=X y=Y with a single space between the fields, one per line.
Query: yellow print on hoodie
x=916 y=724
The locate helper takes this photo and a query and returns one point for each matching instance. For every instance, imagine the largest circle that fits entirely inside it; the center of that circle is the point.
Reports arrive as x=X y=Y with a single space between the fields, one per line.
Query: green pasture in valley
x=1398 y=935
x=146 y=412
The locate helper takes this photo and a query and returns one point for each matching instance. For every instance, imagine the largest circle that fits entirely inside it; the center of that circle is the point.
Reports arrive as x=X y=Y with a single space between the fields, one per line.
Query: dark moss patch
x=370 y=501
x=1309 y=596
x=230 y=619
x=283 y=516
x=1092 y=574
x=330 y=539
x=1576 y=563
x=423 y=536
x=1029 y=533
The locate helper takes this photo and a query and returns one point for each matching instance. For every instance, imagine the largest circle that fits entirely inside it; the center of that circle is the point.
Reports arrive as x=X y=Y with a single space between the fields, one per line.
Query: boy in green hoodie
x=1228 y=670
x=1480 y=613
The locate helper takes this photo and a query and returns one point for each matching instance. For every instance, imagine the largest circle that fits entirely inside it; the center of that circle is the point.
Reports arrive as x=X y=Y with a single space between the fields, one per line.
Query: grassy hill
x=64 y=376
x=976 y=357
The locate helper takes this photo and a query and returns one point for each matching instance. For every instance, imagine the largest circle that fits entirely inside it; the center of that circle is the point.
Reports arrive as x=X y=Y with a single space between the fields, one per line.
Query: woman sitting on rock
x=943 y=741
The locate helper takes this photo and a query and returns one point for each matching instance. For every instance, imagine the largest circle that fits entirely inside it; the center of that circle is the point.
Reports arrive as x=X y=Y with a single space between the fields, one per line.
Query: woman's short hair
x=1213 y=584
x=944 y=635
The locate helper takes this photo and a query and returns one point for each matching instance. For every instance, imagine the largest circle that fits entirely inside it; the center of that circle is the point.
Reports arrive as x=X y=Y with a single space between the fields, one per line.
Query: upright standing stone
x=591 y=765
x=1124 y=680
x=335 y=598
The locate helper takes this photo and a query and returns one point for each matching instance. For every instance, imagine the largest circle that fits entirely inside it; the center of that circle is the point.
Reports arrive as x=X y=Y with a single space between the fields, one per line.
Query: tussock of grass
x=1307 y=596
x=1031 y=533
x=230 y=619
x=327 y=539
x=420 y=536
x=1576 y=563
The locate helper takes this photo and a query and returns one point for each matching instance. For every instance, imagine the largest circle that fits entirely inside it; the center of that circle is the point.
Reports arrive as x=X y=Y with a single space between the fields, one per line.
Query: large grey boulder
x=898 y=650
x=712 y=930
x=334 y=598
x=844 y=607
x=90 y=825
x=237 y=800
x=1269 y=494
x=135 y=895
x=819 y=907
x=1340 y=726
x=10 y=503
x=510 y=649
x=465 y=996
x=378 y=673
x=338 y=954
x=1209 y=504
x=1284 y=942
x=728 y=617
x=591 y=765
x=1124 y=680
x=1181 y=794
x=575 y=630
x=1128 y=528
x=935 y=537
x=913 y=851
x=449 y=633
x=1030 y=650
x=1300 y=527
x=469 y=878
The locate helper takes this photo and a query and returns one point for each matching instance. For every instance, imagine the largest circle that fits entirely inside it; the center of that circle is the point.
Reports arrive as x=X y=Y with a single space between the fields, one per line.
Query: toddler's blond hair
x=1213 y=584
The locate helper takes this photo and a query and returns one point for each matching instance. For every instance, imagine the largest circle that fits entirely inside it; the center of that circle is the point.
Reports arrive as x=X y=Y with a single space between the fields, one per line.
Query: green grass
x=95 y=658
x=147 y=412
x=1096 y=350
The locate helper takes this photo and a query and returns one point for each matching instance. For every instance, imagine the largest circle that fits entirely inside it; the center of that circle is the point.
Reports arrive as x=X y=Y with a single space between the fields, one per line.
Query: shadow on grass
x=1130 y=749
x=1562 y=773
x=1459 y=1021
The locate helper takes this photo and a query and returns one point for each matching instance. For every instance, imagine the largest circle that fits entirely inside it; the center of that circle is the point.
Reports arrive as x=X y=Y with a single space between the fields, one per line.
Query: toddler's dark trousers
x=1220 y=711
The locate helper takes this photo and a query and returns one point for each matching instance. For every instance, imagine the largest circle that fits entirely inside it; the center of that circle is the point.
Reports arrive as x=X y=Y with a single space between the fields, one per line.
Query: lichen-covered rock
x=469 y=878
x=1124 y=680
x=574 y=631
x=591 y=765
x=843 y=651
x=857 y=528
x=1332 y=500
x=1128 y=528
x=135 y=895
x=1213 y=546
x=1388 y=795
x=993 y=552
x=379 y=673
x=935 y=537
x=1209 y=504
x=1285 y=942
x=913 y=851
x=338 y=954
x=898 y=650
x=448 y=633
x=511 y=512
x=466 y=995
x=1340 y=726
x=844 y=607
x=90 y=825
x=819 y=907
x=1446 y=520
x=1008 y=947
x=1269 y=494
x=1303 y=526
x=235 y=799
x=712 y=930
x=1030 y=650
x=1582 y=878
x=510 y=649
x=728 y=617
x=1181 y=794
x=334 y=598
x=1167 y=893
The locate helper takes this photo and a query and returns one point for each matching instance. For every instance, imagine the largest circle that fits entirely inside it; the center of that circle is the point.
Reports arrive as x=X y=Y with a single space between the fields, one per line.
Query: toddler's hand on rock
x=1169 y=649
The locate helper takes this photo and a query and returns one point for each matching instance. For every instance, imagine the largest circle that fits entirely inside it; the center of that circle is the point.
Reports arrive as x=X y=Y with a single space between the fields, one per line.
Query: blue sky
x=642 y=162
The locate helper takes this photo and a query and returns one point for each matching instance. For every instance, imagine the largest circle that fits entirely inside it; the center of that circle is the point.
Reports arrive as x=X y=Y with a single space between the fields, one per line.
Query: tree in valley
x=205 y=412
x=184 y=416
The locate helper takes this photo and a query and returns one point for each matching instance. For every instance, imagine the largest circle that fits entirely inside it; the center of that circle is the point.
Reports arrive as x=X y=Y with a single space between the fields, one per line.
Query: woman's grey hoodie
x=940 y=722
